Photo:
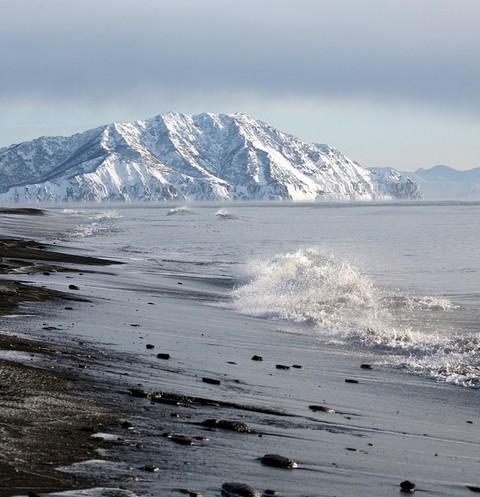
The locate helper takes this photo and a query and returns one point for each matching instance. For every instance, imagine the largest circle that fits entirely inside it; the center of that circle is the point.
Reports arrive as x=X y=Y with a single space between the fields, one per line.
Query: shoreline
x=179 y=376
x=46 y=416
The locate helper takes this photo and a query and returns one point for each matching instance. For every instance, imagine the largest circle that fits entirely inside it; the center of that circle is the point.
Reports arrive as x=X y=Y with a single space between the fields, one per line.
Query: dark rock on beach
x=211 y=381
x=366 y=366
x=257 y=358
x=318 y=408
x=225 y=424
x=190 y=493
x=181 y=440
x=282 y=366
x=163 y=355
x=408 y=486
x=232 y=489
x=277 y=461
x=139 y=393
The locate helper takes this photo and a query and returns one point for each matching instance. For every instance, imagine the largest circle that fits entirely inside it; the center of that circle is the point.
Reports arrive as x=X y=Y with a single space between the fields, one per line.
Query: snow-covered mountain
x=181 y=157
x=446 y=183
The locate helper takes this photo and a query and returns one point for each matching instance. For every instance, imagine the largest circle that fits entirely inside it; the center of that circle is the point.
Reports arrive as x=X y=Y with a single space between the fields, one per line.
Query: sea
x=400 y=280
x=366 y=316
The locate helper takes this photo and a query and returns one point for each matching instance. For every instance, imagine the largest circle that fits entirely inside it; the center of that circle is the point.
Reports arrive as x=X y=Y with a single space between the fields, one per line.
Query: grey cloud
x=418 y=50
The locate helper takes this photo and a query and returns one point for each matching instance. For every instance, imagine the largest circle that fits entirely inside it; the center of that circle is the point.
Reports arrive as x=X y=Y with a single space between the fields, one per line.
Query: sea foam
x=334 y=300
x=91 y=223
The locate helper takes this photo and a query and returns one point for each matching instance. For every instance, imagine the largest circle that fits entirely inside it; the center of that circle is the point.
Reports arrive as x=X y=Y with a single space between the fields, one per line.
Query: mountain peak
x=176 y=156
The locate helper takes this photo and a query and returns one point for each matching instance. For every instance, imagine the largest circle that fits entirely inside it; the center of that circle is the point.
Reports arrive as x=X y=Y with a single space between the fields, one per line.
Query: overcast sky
x=387 y=82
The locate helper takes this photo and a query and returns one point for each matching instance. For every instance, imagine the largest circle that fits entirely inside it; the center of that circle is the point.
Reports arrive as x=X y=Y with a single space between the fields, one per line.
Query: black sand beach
x=190 y=408
x=47 y=418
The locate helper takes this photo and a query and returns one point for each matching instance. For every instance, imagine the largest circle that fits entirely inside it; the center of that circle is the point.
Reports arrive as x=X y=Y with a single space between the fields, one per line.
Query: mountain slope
x=178 y=156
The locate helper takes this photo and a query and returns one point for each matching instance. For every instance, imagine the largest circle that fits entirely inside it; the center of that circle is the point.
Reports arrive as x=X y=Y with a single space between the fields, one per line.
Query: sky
x=387 y=82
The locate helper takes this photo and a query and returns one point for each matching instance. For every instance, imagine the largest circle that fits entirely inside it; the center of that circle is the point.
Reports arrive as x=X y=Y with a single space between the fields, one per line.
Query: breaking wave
x=93 y=223
x=335 y=300
x=179 y=211
x=224 y=215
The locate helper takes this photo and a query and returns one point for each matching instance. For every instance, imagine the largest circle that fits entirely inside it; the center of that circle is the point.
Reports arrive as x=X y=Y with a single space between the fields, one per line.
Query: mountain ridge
x=446 y=183
x=184 y=157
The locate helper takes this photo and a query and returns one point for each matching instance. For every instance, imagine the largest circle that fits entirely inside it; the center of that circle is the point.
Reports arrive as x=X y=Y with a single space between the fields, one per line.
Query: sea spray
x=224 y=215
x=179 y=211
x=92 y=223
x=308 y=286
x=335 y=301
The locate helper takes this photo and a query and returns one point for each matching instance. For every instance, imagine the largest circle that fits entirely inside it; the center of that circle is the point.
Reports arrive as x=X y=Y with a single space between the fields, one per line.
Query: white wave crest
x=224 y=215
x=94 y=223
x=340 y=303
x=179 y=211
x=308 y=286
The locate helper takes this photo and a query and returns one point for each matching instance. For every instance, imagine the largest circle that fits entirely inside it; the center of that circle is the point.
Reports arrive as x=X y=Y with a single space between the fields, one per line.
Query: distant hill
x=446 y=183
x=182 y=157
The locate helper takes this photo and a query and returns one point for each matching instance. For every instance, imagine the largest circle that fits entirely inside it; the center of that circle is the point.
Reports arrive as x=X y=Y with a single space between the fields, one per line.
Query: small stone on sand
x=232 y=489
x=278 y=461
x=408 y=486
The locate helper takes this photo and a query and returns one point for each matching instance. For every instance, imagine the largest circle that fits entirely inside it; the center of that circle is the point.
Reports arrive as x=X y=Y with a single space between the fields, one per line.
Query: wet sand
x=178 y=372
x=45 y=422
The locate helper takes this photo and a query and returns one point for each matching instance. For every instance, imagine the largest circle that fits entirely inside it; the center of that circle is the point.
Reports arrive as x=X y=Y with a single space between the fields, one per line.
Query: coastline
x=177 y=421
x=47 y=417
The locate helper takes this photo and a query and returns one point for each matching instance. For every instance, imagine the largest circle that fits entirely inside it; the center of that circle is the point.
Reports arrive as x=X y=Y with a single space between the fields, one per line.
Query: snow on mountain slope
x=182 y=157
x=394 y=183
x=446 y=183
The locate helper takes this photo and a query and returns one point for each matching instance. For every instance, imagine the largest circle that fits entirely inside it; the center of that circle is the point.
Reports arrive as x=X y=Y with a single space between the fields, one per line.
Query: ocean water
x=400 y=280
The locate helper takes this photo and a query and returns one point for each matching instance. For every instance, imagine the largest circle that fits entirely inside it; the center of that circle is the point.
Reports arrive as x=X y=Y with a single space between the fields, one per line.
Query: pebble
x=232 y=489
x=366 y=366
x=234 y=426
x=150 y=346
x=73 y=287
x=257 y=358
x=211 y=381
x=191 y=493
x=282 y=366
x=163 y=355
x=326 y=409
x=408 y=486
x=151 y=468
x=181 y=440
x=139 y=392
x=278 y=461
x=349 y=380
x=237 y=426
